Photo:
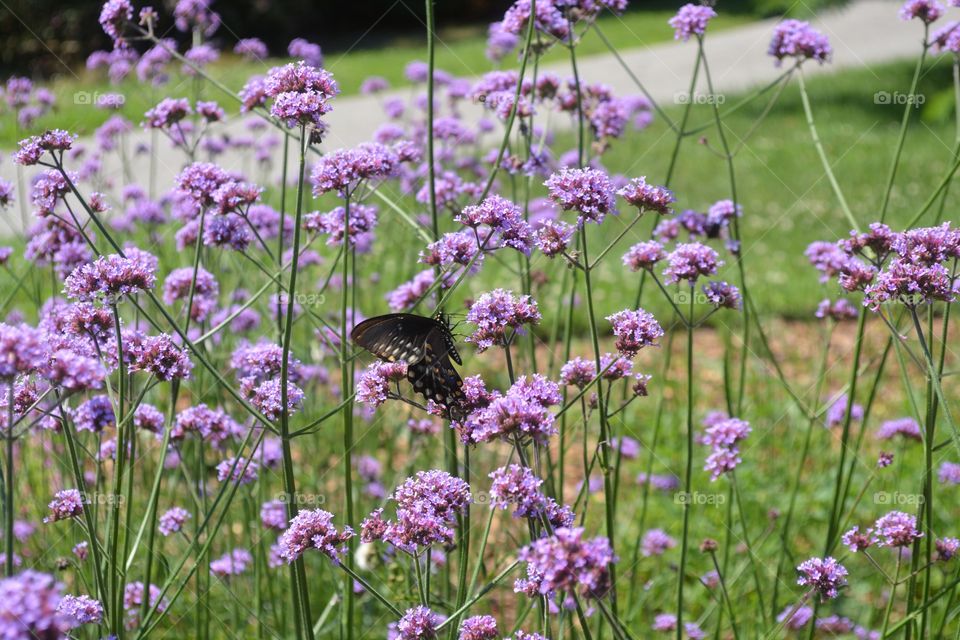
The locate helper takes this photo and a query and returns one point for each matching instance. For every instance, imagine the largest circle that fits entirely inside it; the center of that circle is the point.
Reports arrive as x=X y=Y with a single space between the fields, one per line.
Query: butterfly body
x=426 y=345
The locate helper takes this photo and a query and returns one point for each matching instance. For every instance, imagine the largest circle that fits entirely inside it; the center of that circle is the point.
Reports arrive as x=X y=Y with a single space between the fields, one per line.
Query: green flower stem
x=688 y=474
x=298 y=578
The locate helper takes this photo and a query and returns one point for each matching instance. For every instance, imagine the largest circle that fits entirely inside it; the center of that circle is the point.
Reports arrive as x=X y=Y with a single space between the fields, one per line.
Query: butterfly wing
x=395 y=337
x=435 y=377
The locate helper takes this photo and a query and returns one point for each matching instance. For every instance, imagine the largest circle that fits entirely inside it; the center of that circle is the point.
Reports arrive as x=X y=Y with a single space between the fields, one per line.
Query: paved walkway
x=864 y=33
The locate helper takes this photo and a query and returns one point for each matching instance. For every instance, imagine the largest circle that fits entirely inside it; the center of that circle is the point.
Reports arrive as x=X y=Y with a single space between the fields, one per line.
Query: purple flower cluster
x=689 y=261
x=648 y=197
x=691 y=20
x=110 y=277
x=313 y=530
x=634 y=330
x=587 y=191
x=427 y=509
x=478 y=628
x=907 y=428
x=926 y=11
x=237 y=470
x=231 y=564
x=418 y=623
x=172 y=520
x=66 y=504
x=723 y=435
x=373 y=388
x=81 y=609
x=523 y=411
x=564 y=564
x=656 y=542
x=825 y=576
x=496 y=313
x=797 y=39
x=343 y=170
x=29 y=604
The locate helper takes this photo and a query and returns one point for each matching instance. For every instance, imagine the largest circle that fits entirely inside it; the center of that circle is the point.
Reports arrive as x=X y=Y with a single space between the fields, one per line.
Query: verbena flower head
x=231 y=564
x=947 y=548
x=634 y=330
x=66 y=504
x=167 y=113
x=80 y=610
x=418 y=623
x=689 y=261
x=523 y=411
x=648 y=197
x=343 y=170
x=112 y=276
x=837 y=311
x=837 y=413
x=268 y=398
x=495 y=313
x=172 y=520
x=907 y=428
x=565 y=563
x=160 y=356
x=722 y=295
x=587 y=191
x=644 y=255
x=273 y=515
x=238 y=470
x=553 y=237
x=478 y=628
x=857 y=541
x=825 y=576
x=946 y=39
x=72 y=371
x=363 y=220
x=376 y=381
x=949 y=473
x=797 y=39
x=516 y=485
x=22 y=350
x=691 y=19
x=251 y=48
x=114 y=15
x=656 y=542
x=28 y=606
x=896 y=529
x=308 y=51
x=723 y=436
x=799 y=617
x=909 y=283
x=32 y=148
x=177 y=287
x=926 y=11
x=427 y=508
x=578 y=372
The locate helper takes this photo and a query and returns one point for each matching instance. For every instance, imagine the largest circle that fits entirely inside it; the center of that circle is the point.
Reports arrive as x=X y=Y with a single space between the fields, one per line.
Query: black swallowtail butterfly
x=426 y=345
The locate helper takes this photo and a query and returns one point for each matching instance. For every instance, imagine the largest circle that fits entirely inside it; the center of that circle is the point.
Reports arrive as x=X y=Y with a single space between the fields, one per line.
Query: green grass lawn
x=786 y=197
x=460 y=51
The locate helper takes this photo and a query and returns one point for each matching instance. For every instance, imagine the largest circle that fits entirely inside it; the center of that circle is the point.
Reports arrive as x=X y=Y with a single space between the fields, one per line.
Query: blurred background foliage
x=39 y=37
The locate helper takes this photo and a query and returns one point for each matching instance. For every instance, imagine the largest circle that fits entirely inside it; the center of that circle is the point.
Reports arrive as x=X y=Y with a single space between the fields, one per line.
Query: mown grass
x=460 y=51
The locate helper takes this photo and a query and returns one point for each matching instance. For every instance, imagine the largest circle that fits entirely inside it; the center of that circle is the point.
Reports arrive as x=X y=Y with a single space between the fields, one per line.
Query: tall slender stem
x=688 y=473
x=301 y=596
